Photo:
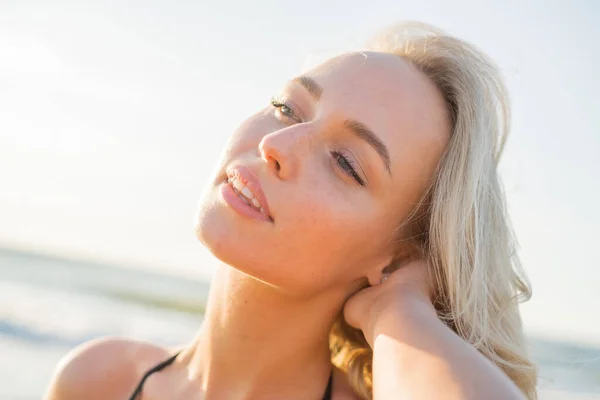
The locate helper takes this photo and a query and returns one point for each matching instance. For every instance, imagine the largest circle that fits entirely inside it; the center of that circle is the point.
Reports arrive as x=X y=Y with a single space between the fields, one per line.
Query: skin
x=282 y=283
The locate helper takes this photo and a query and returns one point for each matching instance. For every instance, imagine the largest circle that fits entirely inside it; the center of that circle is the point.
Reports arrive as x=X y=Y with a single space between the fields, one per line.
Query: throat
x=254 y=341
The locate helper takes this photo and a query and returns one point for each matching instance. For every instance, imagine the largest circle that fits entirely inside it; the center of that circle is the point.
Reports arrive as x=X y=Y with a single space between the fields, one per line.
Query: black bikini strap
x=166 y=363
x=327 y=395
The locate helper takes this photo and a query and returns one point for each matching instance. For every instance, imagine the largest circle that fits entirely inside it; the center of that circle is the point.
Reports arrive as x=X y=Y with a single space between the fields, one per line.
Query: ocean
x=49 y=305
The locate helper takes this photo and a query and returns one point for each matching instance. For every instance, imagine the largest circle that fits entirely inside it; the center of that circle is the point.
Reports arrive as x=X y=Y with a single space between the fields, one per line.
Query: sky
x=113 y=115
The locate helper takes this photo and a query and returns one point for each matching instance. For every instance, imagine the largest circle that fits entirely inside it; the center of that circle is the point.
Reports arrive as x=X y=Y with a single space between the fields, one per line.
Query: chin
x=253 y=247
x=234 y=240
x=212 y=225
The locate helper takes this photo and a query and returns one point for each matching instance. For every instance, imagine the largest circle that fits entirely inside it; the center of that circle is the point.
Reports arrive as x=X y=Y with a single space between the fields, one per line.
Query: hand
x=397 y=292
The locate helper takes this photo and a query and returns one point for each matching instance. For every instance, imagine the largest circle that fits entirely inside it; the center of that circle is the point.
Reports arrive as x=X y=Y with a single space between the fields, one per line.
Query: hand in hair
x=397 y=290
x=415 y=355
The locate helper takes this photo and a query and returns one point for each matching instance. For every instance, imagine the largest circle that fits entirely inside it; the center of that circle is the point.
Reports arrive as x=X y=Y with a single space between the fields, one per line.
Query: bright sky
x=112 y=117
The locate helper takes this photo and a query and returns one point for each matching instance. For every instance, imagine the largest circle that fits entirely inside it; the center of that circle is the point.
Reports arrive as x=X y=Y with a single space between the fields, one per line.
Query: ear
x=378 y=271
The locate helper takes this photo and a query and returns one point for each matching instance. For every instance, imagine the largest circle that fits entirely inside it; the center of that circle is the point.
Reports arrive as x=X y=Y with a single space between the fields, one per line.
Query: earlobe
x=379 y=273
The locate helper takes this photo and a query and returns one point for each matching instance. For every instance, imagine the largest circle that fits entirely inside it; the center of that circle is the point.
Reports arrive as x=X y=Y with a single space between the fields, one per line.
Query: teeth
x=247 y=192
x=238 y=184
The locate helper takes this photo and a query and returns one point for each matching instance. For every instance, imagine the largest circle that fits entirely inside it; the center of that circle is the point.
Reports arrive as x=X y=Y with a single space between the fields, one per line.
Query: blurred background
x=113 y=114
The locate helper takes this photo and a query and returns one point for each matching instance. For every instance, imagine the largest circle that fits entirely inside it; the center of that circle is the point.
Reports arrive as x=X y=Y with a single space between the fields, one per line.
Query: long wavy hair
x=461 y=224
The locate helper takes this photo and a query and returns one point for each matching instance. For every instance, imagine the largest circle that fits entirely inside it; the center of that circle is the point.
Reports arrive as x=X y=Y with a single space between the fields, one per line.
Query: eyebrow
x=364 y=133
x=358 y=128
x=310 y=85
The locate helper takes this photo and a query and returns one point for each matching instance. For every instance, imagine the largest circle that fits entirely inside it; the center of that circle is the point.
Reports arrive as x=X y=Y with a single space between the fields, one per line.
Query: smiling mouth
x=245 y=194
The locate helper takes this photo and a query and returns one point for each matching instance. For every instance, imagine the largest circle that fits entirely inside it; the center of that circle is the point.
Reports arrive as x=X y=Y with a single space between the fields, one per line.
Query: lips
x=248 y=188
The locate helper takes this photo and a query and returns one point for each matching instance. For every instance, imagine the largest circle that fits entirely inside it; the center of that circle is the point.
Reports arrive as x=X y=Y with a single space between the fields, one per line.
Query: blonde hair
x=461 y=224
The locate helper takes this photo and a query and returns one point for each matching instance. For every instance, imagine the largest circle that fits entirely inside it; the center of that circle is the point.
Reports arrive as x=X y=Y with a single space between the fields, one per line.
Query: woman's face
x=337 y=161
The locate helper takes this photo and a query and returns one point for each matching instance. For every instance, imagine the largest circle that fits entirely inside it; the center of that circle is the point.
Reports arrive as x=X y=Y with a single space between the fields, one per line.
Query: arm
x=416 y=356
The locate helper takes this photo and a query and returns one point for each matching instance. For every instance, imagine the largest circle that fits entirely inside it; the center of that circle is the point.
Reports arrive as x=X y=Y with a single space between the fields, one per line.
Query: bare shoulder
x=84 y=371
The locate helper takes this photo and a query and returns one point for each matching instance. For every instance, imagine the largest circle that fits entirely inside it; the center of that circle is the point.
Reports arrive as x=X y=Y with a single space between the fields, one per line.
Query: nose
x=282 y=150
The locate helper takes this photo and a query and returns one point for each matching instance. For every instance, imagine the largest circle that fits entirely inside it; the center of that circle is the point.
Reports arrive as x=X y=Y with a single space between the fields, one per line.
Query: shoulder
x=83 y=371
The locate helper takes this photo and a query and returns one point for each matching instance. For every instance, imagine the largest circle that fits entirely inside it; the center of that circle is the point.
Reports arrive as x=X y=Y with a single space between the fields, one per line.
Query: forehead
x=389 y=95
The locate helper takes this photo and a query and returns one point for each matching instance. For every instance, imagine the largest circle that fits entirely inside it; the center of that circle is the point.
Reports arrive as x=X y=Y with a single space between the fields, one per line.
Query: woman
x=365 y=246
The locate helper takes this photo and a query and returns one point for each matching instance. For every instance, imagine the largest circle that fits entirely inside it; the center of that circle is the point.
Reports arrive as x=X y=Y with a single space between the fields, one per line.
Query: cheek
x=332 y=228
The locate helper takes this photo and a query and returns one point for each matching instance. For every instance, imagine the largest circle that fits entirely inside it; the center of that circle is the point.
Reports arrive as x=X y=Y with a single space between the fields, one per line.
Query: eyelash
x=350 y=170
x=338 y=156
x=280 y=104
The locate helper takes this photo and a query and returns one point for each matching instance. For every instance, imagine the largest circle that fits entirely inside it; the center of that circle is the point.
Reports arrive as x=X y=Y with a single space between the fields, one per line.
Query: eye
x=285 y=109
x=347 y=166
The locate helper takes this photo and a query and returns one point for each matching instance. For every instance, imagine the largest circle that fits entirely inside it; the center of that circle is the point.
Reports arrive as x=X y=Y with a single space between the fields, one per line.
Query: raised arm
x=416 y=356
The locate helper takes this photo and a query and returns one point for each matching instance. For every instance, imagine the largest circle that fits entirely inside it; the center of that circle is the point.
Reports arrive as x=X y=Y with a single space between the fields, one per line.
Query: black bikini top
x=138 y=390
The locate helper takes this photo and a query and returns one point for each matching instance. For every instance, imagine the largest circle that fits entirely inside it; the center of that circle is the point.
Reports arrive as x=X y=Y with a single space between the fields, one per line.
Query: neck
x=256 y=342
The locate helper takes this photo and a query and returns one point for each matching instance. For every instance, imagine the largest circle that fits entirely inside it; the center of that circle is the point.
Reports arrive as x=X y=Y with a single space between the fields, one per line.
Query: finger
x=358 y=305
